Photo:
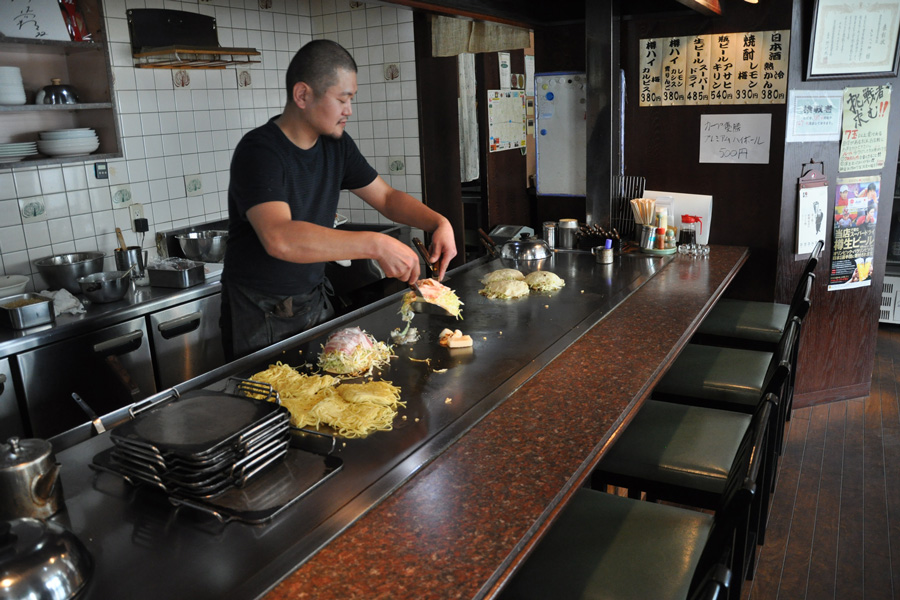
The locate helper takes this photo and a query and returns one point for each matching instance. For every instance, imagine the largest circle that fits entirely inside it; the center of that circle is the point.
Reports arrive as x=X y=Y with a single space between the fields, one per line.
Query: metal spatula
x=432 y=267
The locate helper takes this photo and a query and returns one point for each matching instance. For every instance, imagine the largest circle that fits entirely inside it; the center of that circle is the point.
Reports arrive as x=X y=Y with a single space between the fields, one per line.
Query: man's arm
x=303 y=242
x=401 y=207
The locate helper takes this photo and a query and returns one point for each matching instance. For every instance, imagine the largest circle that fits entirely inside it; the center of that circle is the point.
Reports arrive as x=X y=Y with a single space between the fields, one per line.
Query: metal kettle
x=29 y=479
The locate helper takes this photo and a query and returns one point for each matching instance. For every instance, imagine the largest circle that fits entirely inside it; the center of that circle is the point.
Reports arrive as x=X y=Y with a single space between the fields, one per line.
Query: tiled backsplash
x=171 y=132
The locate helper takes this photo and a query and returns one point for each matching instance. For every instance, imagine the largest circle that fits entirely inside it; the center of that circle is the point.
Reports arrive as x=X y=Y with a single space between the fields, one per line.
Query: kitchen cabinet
x=109 y=368
x=11 y=422
x=186 y=341
x=85 y=66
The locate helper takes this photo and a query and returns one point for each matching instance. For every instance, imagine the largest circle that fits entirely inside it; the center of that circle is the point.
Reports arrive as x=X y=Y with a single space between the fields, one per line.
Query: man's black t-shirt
x=267 y=166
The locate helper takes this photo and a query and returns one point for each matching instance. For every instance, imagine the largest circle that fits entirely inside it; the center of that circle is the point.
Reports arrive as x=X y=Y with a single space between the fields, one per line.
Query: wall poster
x=865 y=127
x=853 y=245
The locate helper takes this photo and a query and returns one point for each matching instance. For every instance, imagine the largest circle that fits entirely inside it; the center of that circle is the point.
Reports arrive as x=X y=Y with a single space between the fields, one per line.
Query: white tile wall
x=169 y=133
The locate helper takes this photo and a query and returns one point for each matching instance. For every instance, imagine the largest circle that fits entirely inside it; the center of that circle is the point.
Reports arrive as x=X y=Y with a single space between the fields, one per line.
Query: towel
x=64 y=302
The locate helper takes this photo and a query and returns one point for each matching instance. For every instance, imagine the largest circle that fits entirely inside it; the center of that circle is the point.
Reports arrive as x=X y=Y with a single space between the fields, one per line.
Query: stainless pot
x=41 y=559
x=29 y=479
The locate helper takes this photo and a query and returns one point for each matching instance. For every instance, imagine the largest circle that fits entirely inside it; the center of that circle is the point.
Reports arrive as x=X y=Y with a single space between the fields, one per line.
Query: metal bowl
x=205 y=246
x=106 y=286
x=63 y=270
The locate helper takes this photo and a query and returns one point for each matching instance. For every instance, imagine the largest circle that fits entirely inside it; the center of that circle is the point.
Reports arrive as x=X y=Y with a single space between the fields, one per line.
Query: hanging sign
x=811 y=207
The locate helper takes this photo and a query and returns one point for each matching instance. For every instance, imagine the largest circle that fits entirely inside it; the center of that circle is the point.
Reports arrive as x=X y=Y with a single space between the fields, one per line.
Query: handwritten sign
x=865 y=123
x=741 y=139
x=720 y=68
x=38 y=19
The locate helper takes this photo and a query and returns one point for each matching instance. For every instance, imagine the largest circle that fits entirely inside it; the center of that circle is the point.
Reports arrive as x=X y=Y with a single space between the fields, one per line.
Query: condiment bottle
x=688 y=233
x=660 y=238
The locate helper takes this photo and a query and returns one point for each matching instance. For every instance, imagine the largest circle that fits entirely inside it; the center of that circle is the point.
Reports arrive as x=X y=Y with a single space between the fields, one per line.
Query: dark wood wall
x=662 y=144
x=837 y=355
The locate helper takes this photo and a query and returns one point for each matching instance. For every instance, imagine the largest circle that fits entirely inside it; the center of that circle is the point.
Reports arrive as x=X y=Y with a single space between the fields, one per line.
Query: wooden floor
x=834 y=529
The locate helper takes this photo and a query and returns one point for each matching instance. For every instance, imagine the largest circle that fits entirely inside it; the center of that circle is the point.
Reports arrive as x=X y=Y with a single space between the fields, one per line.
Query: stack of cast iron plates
x=202 y=445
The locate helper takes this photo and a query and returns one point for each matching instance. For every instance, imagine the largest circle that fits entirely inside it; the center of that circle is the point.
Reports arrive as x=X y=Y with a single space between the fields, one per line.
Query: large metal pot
x=29 y=479
x=41 y=559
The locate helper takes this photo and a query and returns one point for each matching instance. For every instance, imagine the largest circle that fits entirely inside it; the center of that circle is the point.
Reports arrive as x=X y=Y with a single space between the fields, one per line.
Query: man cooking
x=286 y=177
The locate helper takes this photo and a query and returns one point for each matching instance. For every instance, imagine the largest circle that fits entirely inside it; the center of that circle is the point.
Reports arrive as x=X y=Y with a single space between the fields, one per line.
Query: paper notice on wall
x=505 y=70
x=814 y=116
x=741 y=139
x=506 y=119
x=865 y=124
x=775 y=66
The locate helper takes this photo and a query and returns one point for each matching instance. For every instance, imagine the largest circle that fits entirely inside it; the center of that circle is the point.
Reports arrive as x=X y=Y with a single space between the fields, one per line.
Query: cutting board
x=699 y=205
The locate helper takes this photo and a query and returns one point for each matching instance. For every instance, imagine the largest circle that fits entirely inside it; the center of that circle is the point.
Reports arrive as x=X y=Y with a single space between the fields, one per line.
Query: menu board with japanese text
x=722 y=68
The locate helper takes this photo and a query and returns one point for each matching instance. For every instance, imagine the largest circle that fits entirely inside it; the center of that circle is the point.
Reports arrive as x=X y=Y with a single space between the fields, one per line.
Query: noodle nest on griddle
x=353 y=410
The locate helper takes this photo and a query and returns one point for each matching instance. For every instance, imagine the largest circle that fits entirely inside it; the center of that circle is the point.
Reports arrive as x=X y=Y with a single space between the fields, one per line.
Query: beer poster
x=855 y=217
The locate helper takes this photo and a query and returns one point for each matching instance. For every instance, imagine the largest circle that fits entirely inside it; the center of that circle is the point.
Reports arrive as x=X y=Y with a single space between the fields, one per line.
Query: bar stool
x=756 y=325
x=686 y=454
x=616 y=548
x=733 y=378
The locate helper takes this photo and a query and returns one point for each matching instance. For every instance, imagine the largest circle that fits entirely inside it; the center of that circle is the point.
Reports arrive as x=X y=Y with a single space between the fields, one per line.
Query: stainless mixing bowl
x=63 y=270
x=106 y=286
x=205 y=246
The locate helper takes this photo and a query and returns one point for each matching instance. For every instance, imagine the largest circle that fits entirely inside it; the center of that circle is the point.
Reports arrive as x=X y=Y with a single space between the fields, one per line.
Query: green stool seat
x=614 y=548
x=757 y=321
x=679 y=445
x=727 y=376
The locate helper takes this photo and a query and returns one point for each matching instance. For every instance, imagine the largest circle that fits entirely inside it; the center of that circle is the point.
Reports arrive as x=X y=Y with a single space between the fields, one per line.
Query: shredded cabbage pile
x=359 y=362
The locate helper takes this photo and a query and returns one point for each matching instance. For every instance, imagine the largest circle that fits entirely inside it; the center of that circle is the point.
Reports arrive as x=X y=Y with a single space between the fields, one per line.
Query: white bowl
x=10 y=285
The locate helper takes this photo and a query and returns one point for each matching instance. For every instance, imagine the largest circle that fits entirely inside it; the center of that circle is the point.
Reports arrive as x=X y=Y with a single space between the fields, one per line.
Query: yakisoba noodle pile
x=354 y=410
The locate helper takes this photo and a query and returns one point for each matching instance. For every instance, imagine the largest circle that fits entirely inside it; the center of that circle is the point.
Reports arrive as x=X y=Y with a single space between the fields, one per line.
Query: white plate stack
x=17 y=151
x=68 y=142
x=12 y=91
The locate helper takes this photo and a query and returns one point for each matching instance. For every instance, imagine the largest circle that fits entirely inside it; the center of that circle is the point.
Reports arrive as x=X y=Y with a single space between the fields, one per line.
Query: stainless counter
x=141 y=301
x=145 y=548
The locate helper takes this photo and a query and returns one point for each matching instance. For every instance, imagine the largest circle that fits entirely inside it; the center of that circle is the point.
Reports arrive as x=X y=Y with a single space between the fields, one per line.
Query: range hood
x=176 y=39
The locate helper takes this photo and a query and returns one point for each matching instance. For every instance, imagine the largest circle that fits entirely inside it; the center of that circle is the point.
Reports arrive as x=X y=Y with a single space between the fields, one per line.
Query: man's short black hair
x=316 y=64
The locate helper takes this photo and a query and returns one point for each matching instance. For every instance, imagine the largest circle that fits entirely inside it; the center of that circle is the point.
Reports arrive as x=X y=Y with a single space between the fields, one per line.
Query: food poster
x=853 y=246
x=865 y=126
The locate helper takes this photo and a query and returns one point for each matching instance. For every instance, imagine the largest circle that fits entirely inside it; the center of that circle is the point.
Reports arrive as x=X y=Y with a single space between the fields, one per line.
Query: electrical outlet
x=137 y=211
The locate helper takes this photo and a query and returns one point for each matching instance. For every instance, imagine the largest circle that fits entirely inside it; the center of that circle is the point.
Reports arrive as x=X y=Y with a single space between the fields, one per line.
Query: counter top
x=139 y=301
x=443 y=505
x=461 y=525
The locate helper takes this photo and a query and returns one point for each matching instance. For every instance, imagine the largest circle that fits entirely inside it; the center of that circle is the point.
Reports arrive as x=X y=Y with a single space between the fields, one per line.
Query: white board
x=560 y=133
x=698 y=205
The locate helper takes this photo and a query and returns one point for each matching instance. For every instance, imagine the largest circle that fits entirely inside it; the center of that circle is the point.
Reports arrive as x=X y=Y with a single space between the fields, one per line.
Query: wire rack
x=622 y=190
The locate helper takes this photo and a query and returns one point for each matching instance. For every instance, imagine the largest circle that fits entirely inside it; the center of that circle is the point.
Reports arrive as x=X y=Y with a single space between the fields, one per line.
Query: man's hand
x=443 y=247
x=397 y=259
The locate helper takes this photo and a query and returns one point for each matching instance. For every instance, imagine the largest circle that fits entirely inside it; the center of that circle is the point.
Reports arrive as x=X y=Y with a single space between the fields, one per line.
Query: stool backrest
x=802 y=299
x=731 y=528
